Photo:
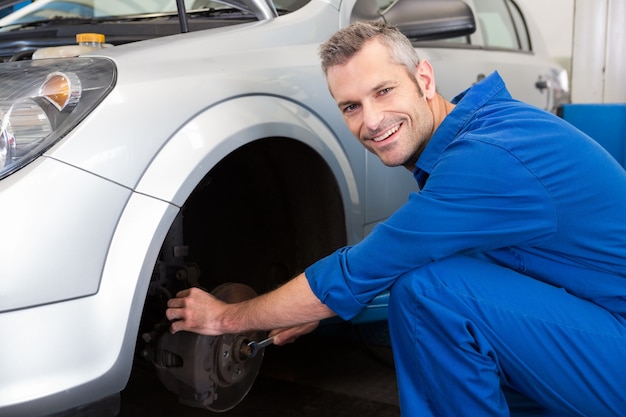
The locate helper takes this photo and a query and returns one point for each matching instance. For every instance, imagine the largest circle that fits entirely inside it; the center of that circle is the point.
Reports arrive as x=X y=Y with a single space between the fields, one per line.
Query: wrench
x=252 y=348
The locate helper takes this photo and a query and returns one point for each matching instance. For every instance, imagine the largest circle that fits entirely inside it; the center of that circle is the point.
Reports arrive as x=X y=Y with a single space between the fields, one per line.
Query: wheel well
x=259 y=217
x=262 y=215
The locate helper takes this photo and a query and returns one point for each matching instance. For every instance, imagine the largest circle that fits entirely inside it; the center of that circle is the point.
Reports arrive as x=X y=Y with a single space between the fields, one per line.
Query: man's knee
x=409 y=286
x=425 y=277
x=453 y=272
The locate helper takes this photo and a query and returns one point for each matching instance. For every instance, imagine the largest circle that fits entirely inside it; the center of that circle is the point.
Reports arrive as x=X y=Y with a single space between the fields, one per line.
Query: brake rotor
x=210 y=372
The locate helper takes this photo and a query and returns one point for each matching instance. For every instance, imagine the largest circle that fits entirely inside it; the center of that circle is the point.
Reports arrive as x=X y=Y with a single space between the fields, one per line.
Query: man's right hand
x=292 y=307
x=290 y=334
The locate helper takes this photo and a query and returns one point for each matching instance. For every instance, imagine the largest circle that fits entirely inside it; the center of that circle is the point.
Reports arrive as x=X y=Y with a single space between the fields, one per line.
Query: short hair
x=347 y=42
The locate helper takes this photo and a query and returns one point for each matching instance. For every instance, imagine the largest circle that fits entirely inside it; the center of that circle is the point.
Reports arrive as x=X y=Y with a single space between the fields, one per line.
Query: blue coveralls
x=507 y=268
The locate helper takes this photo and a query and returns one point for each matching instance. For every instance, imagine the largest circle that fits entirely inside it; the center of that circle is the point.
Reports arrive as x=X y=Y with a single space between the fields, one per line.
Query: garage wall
x=598 y=58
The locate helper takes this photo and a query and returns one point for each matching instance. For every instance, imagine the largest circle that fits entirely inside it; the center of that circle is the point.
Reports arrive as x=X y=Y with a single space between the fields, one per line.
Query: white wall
x=598 y=58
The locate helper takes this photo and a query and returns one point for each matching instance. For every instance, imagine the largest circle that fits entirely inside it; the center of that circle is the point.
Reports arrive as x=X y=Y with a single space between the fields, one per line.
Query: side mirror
x=421 y=20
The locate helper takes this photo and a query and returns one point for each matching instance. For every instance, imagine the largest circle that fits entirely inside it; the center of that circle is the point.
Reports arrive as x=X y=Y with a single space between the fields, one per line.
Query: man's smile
x=386 y=134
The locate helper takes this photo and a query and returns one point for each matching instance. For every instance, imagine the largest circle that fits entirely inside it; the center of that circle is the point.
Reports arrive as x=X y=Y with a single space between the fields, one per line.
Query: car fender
x=216 y=132
x=85 y=346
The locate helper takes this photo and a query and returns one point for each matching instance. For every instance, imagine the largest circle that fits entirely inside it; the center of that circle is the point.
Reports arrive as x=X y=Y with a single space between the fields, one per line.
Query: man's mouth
x=386 y=134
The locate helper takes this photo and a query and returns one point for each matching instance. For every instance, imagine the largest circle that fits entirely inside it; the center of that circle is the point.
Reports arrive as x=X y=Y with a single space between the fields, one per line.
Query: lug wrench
x=250 y=349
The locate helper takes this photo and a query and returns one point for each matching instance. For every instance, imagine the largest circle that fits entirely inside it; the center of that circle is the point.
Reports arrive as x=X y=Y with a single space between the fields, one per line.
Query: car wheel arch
x=211 y=135
x=282 y=145
x=257 y=207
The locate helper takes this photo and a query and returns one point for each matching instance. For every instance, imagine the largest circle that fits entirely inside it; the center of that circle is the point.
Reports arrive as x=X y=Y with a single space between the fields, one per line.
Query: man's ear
x=426 y=79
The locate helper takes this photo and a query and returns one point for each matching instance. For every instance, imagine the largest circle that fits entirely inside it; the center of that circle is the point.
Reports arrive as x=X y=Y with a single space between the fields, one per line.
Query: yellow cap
x=89 y=37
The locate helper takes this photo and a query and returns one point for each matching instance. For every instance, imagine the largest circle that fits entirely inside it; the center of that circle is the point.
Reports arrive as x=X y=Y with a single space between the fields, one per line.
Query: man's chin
x=392 y=163
x=389 y=160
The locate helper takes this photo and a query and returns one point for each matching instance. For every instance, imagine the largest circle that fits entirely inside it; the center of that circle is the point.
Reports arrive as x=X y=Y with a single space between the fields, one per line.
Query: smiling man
x=389 y=110
x=507 y=268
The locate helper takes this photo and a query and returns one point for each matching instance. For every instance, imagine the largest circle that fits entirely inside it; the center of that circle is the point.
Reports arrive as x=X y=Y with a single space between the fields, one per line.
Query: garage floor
x=319 y=375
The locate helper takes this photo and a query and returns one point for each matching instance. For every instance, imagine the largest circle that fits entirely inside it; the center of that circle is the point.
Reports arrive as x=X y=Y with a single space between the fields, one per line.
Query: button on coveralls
x=507 y=268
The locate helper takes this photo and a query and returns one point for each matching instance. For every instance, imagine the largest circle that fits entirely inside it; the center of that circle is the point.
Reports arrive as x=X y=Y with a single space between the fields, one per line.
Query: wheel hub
x=209 y=371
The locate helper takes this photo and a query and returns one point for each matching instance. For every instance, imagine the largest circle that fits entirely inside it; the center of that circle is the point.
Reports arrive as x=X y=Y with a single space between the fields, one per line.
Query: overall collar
x=467 y=104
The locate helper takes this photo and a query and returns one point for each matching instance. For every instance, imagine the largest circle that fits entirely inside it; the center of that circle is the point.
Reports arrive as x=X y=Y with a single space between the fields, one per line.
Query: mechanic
x=507 y=268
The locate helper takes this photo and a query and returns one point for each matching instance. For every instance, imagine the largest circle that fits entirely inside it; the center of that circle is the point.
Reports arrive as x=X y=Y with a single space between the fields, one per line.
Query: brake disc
x=210 y=372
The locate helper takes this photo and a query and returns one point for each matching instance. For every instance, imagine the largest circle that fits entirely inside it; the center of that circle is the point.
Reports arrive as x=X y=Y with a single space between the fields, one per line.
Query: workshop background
x=588 y=38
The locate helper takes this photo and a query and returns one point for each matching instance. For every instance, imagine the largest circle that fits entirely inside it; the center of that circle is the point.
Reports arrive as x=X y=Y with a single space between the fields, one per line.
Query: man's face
x=382 y=105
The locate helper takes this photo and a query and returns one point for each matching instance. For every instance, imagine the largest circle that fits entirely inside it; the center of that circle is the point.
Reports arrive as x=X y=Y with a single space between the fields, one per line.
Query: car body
x=210 y=156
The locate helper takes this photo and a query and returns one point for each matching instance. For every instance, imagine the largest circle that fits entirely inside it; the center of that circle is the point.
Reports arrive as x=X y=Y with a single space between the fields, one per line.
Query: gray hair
x=347 y=42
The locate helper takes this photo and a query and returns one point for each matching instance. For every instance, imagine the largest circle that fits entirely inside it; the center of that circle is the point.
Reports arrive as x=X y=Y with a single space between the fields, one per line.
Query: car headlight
x=42 y=100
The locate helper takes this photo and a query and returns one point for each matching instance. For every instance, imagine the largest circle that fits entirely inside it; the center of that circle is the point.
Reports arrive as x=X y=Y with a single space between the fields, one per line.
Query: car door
x=505 y=40
x=505 y=36
x=510 y=42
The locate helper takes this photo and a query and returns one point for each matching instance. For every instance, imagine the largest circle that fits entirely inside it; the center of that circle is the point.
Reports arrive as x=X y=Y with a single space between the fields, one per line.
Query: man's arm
x=292 y=304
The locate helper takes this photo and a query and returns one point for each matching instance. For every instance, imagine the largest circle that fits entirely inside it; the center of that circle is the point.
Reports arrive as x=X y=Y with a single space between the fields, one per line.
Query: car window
x=457 y=41
x=520 y=25
x=448 y=42
x=502 y=24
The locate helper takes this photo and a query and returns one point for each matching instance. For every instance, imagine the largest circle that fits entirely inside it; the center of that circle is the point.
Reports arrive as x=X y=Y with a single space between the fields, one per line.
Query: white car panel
x=47 y=256
x=60 y=375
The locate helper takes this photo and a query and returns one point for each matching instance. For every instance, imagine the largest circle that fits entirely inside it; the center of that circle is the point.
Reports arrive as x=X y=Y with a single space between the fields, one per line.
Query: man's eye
x=350 y=108
x=384 y=91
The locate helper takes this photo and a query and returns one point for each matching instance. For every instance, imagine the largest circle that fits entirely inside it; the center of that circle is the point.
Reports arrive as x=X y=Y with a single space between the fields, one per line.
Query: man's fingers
x=173 y=313
x=179 y=299
x=176 y=306
x=188 y=310
x=194 y=310
x=176 y=326
x=184 y=293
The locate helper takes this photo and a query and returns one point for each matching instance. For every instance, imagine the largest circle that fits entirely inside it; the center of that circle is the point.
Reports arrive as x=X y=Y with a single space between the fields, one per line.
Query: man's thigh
x=552 y=346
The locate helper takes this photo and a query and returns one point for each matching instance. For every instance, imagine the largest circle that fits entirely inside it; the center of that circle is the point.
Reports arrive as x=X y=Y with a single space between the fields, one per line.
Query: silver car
x=211 y=157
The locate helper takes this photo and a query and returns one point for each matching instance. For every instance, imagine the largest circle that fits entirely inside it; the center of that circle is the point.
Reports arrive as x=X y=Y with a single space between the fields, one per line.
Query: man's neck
x=440 y=108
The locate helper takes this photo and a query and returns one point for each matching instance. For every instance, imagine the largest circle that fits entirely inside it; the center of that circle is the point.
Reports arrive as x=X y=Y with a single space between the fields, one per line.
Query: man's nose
x=372 y=116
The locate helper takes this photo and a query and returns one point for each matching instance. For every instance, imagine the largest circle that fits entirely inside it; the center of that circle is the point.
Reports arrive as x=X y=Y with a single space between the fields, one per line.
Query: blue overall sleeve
x=478 y=197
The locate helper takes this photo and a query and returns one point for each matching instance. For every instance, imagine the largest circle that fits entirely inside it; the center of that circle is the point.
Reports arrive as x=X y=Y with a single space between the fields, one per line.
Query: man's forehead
x=365 y=71
x=374 y=46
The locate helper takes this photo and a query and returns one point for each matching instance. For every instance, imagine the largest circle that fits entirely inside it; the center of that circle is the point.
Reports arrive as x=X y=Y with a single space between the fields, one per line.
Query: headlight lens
x=42 y=100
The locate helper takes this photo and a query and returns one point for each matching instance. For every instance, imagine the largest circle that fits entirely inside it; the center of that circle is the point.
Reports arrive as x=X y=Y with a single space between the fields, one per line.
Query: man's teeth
x=387 y=134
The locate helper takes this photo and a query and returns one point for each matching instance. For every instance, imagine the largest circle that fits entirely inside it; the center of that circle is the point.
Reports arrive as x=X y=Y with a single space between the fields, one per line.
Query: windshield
x=45 y=10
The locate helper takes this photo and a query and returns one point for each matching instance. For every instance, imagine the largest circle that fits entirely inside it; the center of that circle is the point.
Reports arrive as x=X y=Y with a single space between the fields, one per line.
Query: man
x=507 y=268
